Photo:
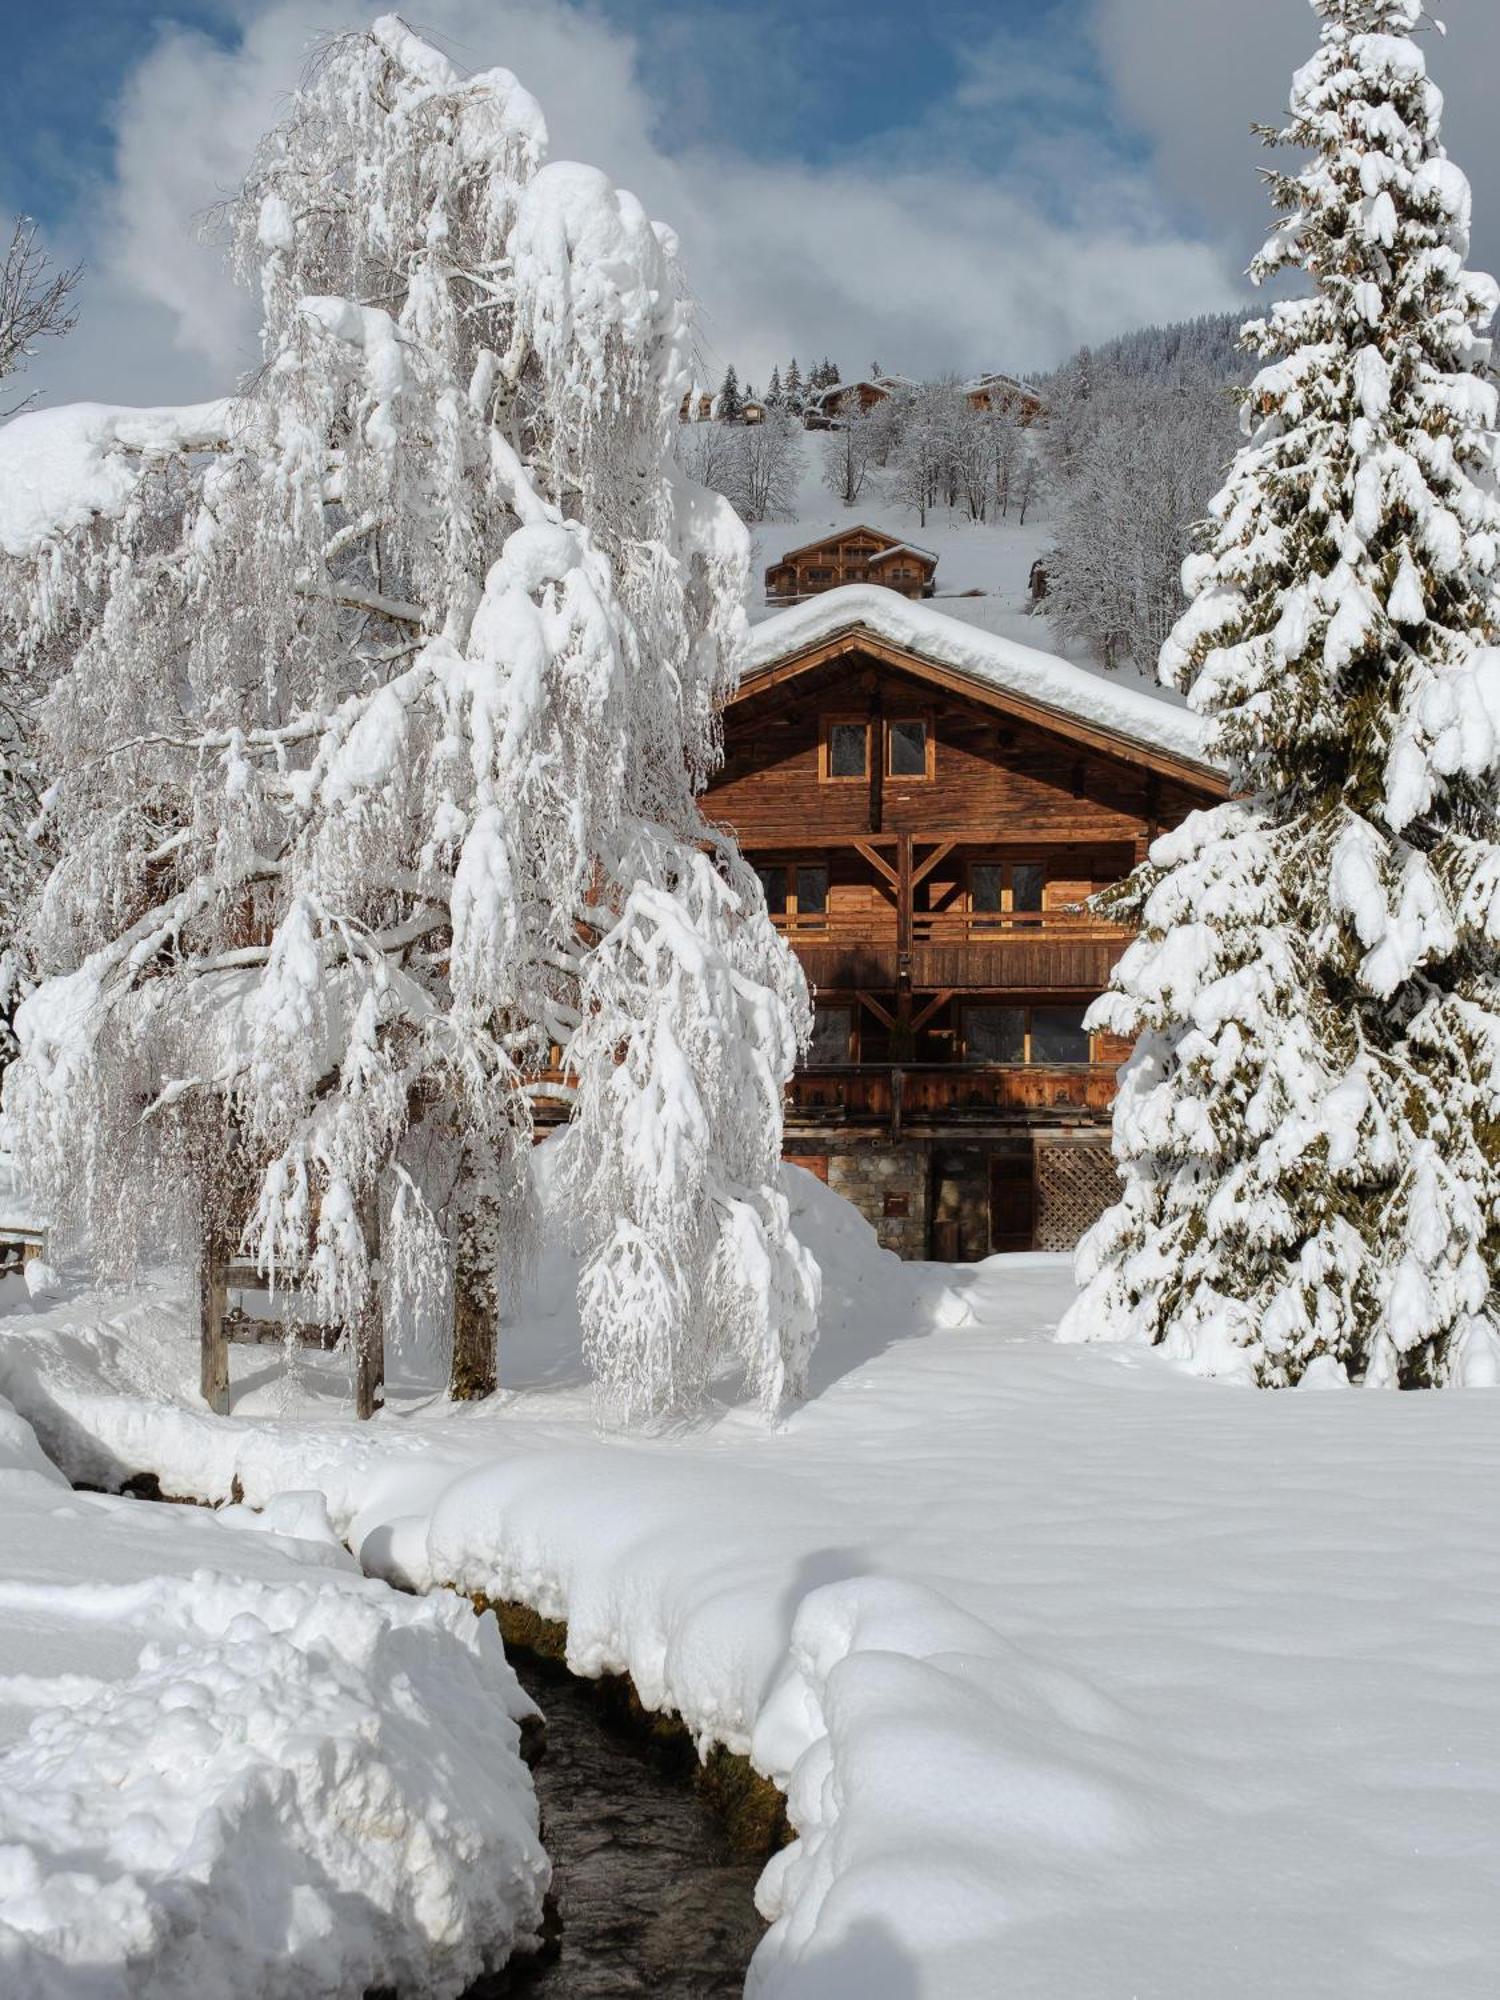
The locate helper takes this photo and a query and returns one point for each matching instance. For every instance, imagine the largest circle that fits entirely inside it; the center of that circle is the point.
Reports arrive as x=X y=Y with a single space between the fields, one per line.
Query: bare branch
x=36 y=300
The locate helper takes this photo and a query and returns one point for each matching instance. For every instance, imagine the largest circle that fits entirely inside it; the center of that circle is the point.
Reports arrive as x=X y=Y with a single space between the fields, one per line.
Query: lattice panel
x=1074 y=1186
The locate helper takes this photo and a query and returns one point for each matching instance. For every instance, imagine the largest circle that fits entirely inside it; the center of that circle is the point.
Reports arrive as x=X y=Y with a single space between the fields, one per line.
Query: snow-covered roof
x=58 y=468
x=995 y=378
x=889 y=543
x=983 y=657
x=902 y=549
x=884 y=385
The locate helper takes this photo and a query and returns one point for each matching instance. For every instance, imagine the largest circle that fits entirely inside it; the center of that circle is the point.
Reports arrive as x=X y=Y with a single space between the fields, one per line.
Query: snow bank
x=231 y=1766
x=59 y=468
x=982 y=656
x=1084 y=1676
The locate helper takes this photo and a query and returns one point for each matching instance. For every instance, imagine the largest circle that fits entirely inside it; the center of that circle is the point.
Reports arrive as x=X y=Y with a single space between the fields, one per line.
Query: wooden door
x=1012 y=1201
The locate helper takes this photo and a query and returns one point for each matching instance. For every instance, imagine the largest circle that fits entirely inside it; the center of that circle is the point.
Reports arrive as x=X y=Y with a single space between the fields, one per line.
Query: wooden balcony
x=1023 y=950
x=914 y=1099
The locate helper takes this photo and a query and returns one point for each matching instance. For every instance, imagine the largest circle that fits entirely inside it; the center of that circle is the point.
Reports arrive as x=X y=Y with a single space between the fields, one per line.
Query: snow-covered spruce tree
x=1309 y=1128
x=373 y=772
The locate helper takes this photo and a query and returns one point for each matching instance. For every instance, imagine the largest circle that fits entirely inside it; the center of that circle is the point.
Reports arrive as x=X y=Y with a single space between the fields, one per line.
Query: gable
x=1089 y=727
x=1014 y=776
x=845 y=538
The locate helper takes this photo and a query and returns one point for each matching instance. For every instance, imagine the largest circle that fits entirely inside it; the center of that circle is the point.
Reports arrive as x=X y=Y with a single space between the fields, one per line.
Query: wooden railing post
x=369 y=1328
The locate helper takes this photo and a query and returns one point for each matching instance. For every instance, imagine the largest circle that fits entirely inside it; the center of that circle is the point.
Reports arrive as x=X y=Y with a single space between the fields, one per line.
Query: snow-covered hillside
x=990 y=558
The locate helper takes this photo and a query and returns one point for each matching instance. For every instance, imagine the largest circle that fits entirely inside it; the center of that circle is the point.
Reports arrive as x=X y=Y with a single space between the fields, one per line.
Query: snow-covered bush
x=1308 y=1126
x=382 y=703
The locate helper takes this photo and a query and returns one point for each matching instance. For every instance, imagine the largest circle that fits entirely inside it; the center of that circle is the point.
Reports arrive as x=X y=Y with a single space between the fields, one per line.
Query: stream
x=651 y=1899
x=648 y=1895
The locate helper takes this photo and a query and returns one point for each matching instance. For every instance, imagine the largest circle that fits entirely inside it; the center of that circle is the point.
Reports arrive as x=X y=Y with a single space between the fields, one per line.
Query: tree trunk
x=476 y=1305
x=213 y=1265
x=369 y=1328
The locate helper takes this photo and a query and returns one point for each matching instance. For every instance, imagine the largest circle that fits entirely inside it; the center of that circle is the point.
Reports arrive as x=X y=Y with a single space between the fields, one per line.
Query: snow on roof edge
x=982 y=656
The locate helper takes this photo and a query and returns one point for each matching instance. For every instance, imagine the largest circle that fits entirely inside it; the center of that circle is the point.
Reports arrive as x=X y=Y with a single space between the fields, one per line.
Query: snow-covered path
x=1086 y=1677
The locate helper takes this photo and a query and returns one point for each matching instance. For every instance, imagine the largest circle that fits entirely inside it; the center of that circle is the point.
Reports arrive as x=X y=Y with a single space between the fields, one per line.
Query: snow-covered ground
x=232 y=1767
x=983 y=567
x=1087 y=1677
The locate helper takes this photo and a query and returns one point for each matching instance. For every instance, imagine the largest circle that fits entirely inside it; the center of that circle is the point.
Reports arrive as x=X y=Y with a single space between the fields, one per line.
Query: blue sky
x=773 y=77
x=954 y=186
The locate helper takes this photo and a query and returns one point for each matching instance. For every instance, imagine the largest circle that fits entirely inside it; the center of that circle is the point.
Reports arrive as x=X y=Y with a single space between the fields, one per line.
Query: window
x=1026 y=882
x=773 y=881
x=1007 y=888
x=907 y=750
x=847 y=750
x=796 y=892
x=812 y=889
x=1058 y=1035
x=1000 y=1034
x=832 y=1036
x=994 y=1034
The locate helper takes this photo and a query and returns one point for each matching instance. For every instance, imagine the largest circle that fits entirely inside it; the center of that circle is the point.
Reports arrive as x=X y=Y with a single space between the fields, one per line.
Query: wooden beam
x=878 y=861
x=938 y=1000
x=875 y=739
x=903 y=949
x=940 y=853
x=883 y=1015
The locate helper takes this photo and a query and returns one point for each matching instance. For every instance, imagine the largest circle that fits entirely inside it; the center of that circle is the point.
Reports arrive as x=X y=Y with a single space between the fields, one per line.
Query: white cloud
x=1195 y=75
x=921 y=267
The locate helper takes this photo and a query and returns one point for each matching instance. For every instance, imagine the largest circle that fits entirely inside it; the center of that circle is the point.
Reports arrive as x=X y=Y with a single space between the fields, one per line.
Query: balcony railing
x=880 y=927
x=892 y=1098
x=1038 y=950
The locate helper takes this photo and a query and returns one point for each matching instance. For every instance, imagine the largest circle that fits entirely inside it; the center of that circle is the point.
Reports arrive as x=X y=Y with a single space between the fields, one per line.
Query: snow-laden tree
x=755 y=466
x=1309 y=1128
x=36 y=303
x=373 y=767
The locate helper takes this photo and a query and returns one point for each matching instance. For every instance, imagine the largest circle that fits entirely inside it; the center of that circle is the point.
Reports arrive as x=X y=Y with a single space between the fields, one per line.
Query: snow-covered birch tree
x=1309 y=1128
x=374 y=755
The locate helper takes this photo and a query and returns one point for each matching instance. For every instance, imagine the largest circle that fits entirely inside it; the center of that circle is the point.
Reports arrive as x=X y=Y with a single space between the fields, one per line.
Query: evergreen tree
x=795 y=392
x=731 y=403
x=382 y=697
x=1309 y=1127
x=775 y=394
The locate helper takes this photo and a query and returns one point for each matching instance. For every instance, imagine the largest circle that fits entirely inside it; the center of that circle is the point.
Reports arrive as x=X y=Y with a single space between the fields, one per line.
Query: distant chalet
x=827 y=409
x=853 y=555
x=1003 y=395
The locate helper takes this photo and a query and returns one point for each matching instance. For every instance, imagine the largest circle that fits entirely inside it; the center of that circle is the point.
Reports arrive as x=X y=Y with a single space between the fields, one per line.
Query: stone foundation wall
x=881 y=1179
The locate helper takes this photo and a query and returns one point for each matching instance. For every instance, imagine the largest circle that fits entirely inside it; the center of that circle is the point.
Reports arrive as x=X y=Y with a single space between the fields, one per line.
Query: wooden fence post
x=213 y=1299
x=369 y=1330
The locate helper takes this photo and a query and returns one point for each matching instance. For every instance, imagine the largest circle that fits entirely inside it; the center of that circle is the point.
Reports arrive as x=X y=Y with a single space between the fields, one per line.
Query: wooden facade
x=929 y=843
x=857 y=554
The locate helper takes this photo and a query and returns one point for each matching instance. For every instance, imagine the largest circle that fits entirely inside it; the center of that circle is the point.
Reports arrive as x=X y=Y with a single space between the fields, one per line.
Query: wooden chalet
x=929 y=809
x=1003 y=393
x=826 y=408
x=853 y=555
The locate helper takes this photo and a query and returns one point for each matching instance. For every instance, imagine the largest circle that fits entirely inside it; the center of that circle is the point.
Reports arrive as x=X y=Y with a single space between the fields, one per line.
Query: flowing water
x=651 y=1900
